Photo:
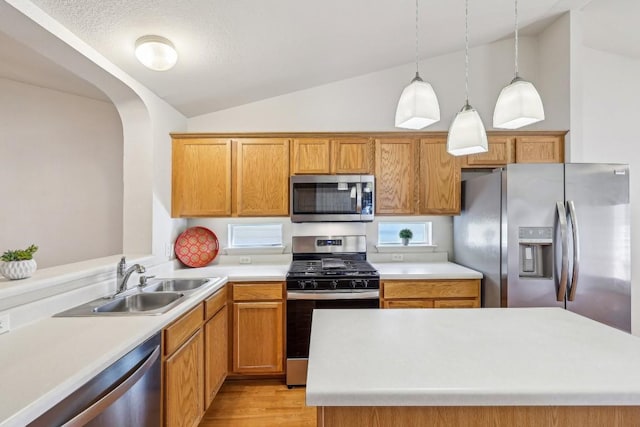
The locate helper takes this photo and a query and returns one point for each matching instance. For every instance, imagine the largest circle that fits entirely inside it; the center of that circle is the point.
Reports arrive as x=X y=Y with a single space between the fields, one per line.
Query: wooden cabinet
x=539 y=149
x=396 y=171
x=501 y=152
x=216 y=353
x=201 y=177
x=463 y=293
x=184 y=370
x=331 y=156
x=439 y=178
x=258 y=328
x=262 y=177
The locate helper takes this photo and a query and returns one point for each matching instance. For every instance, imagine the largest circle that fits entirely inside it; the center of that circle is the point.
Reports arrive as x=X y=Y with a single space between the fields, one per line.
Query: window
x=255 y=235
x=388 y=233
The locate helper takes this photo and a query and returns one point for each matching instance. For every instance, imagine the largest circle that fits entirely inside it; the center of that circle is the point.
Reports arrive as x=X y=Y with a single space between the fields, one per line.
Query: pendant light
x=519 y=104
x=418 y=105
x=466 y=134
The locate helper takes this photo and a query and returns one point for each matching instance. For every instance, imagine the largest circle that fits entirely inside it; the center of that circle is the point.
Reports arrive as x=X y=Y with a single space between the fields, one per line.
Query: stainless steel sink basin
x=137 y=303
x=175 y=285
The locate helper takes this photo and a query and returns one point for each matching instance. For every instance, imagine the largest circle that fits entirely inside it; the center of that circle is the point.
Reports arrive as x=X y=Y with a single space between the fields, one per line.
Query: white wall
x=60 y=173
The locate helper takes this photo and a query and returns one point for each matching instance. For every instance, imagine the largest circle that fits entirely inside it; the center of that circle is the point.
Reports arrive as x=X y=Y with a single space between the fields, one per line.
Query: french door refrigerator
x=550 y=235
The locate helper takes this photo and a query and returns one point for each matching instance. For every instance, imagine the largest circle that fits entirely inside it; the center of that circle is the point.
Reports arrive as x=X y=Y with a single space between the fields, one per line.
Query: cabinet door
x=216 y=358
x=439 y=178
x=262 y=177
x=352 y=156
x=539 y=149
x=258 y=337
x=310 y=156
x=411 y=303
x=396 y=173
x=183 y=374
x=201 y=177
x=501 y=152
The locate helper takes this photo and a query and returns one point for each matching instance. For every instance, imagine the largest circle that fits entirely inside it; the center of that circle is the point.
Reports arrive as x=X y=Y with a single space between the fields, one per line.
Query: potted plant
x=406 y=235
x=18 y=264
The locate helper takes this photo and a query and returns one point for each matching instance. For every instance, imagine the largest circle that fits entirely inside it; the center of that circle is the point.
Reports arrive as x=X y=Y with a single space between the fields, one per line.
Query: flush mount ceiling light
x=156 y=53
x=418 y=105
x=466 y=134
x=519 y=104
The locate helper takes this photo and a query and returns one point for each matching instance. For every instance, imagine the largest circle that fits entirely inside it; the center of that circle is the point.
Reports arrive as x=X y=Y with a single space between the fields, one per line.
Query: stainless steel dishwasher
x=126 y=394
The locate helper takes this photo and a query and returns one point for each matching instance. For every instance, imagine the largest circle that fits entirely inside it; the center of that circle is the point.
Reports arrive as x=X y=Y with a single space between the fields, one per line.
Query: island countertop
x=469 y=357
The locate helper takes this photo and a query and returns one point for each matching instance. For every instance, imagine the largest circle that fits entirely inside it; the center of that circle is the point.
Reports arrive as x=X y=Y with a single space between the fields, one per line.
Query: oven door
x=300 y=306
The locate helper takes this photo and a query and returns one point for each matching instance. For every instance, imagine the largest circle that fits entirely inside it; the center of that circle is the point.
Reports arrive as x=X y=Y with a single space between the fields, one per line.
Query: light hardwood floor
x=259 y=403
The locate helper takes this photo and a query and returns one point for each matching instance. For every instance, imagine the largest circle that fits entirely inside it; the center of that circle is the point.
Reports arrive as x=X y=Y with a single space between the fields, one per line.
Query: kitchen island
x=490 y=367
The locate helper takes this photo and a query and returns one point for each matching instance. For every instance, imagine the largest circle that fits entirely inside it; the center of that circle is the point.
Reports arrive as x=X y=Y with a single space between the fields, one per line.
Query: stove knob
x=334 y=284
x=353 y=283
x=302 y=284
x=315 y=284
x=365 y=283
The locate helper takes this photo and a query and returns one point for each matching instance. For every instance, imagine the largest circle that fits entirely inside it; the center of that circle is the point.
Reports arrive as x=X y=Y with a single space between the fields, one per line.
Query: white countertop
x=424 y=270
x=469 y=357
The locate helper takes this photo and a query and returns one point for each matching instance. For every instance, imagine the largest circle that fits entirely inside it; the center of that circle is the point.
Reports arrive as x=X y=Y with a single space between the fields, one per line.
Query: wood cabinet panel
x=215 y=302
x=439 y=178
x=216 y=356
x=431 y=289
x=418 y=303
x=262 y=177
x=501 y=152
x=352 y=156
x=396 y=171
x=183 y=378
x=457 y=303
x=201 y=177
x=310 y=156
x=181 y=329
x=539 y=149
x=257 y=291
x=258 y=337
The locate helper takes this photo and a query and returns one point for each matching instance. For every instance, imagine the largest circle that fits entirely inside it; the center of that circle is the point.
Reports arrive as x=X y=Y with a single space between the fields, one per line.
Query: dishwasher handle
x=99 y=406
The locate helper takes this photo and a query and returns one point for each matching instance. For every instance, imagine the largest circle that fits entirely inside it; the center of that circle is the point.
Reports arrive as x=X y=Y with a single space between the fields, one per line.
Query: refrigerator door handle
x=564 y=269
x=573 y=286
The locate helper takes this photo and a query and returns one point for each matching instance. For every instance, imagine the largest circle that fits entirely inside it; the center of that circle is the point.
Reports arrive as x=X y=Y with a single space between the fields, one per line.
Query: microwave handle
x=359 y=197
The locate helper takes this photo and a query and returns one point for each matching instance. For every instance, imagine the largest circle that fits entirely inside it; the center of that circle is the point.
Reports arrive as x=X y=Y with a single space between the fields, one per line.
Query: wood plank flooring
x=259 y=403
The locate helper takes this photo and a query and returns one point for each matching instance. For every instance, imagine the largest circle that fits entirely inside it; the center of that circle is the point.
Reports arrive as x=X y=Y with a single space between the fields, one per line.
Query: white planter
x=18 y=269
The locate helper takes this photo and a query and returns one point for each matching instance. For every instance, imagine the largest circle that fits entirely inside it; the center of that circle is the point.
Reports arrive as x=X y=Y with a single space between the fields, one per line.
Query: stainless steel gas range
x=327 y=272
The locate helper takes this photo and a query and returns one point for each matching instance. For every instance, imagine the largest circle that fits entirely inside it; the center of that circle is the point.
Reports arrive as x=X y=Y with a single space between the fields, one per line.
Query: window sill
x=257 y=250
x=402 y=248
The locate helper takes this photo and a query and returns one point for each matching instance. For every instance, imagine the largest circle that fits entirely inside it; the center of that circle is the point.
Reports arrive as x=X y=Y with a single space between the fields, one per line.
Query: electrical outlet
x=397 y=257
x=245 y=260
x=5 y=326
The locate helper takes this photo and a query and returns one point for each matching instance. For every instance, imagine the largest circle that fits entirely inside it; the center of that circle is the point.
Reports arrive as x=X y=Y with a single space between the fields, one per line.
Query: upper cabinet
x=201 y=181
x=439 y=178
x=262 y=177
x=501 y=152
x=540 y=149
x=396 y=174
x=331 y=156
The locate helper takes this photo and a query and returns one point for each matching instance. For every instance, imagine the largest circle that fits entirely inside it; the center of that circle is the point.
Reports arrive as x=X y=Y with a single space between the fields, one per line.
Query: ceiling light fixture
x=466 y=134
x=418 y=105
x=156 y=53
x=519 y=104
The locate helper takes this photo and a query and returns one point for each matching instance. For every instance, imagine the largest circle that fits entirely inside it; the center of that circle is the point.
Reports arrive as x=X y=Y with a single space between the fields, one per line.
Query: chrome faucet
x=124 y=273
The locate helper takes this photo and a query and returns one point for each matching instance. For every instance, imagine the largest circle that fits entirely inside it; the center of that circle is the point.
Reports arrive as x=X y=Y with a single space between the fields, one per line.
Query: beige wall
x=60 y=174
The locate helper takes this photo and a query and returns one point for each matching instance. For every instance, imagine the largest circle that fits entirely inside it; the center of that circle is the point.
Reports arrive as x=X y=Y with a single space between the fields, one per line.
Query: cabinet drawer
x=457 y=303
x=215 y=302
x=257 y=292
x=176 y=334
x=409 y=303
x=407 y=289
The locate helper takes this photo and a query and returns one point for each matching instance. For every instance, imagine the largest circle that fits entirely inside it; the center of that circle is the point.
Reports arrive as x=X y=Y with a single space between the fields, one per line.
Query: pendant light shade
x=519 y=104
x=418 y=105
x=467 y=134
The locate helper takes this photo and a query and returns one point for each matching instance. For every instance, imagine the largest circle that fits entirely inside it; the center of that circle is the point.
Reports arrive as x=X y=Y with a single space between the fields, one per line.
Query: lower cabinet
x=258 y=328
x=430 y=293
x=216 y=351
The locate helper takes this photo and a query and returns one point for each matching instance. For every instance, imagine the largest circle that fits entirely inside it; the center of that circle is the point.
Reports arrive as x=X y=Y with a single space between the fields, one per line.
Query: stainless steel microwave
x=320 y=198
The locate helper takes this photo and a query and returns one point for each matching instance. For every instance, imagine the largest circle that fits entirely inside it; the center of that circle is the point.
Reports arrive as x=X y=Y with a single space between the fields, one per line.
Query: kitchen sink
x=137 y=303
x=175 y=285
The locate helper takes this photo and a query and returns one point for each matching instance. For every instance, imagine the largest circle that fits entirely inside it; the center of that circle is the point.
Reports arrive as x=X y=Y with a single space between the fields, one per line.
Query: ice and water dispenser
x=536 y=252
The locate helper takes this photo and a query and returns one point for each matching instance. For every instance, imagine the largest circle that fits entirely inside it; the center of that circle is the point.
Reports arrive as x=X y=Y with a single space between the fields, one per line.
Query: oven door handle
x=293 y=295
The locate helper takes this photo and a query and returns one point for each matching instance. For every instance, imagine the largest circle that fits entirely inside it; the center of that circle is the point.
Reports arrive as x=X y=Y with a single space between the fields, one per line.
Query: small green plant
x=405 y=233
x=19 y=254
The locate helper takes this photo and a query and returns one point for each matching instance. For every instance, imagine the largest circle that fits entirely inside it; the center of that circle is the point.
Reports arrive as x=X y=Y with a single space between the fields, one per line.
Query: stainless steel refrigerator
x=550 y=235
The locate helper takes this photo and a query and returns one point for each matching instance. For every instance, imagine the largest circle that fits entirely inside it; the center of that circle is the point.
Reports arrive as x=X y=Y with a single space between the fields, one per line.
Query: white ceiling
x=235 y=52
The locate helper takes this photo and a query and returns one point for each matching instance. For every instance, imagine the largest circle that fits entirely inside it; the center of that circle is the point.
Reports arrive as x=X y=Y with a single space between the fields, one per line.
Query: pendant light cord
x=516 y=37
x=417 y=73
x=466 y=51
